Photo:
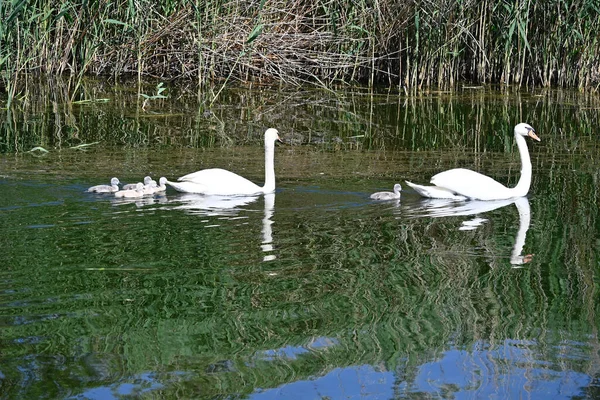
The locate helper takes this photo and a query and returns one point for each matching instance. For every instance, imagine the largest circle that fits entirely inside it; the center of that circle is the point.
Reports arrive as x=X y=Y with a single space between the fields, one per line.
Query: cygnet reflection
x=139 y=201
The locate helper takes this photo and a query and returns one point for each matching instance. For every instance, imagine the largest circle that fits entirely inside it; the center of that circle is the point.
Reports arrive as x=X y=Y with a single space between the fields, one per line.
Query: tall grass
x=411 y=44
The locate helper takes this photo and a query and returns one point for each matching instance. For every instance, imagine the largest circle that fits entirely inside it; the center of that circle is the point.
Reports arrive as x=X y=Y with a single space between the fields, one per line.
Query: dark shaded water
x=315 y=291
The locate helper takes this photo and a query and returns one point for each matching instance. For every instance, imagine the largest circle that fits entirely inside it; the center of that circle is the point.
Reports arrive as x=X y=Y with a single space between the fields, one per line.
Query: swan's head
x=162 y=181
x=397 y=188
x=147 y=180
x=524 y=129
x=272 y=136
x=139 y=186
x=114 y=181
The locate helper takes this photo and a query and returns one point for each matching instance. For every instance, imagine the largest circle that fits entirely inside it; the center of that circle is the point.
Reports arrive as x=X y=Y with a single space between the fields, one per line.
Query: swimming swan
x=463 y=184
x=132 y=193
x=161 y=185
x=132 y=186
x=113 y=187
x=216 y=181
x=388 y=195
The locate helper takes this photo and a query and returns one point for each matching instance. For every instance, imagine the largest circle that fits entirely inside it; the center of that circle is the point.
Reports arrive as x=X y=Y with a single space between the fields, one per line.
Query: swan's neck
x=269 y=168
x=525 y=181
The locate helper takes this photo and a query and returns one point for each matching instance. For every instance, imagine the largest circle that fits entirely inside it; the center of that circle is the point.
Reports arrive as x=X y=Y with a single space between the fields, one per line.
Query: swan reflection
x=267 y=230
x=437 y=208
x=228 y=206
x=524 y=219
x=212 y=205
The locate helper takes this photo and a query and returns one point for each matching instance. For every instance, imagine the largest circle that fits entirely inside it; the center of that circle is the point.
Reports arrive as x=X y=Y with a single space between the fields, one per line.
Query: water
x=315 y=291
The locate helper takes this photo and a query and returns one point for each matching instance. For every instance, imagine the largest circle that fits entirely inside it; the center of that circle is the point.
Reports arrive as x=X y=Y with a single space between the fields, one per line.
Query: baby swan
x=388 y=195
x=137 y=192
x=162 y=185
x=131 y=186
x=113 y=187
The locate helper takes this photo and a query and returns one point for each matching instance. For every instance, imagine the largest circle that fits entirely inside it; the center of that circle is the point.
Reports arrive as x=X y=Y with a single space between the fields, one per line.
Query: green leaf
x=3 y=60
x=255 y=33
x=116 y=22
x=18 y=7
x=160 y=88
x=524 y=35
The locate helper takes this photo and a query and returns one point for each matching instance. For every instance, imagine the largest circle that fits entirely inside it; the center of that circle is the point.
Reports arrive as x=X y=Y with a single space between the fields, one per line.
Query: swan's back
x=385 y=196
x=388 y=195
x=471 y=184
x=217 y=181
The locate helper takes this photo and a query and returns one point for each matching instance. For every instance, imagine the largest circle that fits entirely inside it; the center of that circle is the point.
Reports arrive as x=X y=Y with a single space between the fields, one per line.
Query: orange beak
x=533 y=135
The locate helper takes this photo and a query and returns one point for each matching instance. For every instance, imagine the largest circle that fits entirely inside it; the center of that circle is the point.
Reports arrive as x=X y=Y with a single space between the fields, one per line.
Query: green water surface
x=315 y=291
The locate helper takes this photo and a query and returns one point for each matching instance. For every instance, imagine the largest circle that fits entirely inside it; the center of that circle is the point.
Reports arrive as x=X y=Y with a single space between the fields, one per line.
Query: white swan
x=462 y=184
x=113 y=187
x=132 y=193
x=220 y=182
x=388 y=195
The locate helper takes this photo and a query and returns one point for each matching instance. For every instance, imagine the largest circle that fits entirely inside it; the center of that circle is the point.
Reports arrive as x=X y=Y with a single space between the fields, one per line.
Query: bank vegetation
x=408 y=44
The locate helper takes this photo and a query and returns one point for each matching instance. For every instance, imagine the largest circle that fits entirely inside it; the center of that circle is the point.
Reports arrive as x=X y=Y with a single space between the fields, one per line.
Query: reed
x=410 y=44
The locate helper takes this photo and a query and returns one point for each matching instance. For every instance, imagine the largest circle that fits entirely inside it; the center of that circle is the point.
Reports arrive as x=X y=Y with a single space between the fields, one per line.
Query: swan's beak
x=532 y=135
x=281 y=141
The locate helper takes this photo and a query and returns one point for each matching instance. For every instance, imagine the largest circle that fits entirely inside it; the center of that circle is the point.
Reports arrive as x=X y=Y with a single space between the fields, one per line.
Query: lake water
x=315 y=291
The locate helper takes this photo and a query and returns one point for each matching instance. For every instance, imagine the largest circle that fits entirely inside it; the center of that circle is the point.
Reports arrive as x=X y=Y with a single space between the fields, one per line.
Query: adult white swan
x=463 y=184
x=216 y=181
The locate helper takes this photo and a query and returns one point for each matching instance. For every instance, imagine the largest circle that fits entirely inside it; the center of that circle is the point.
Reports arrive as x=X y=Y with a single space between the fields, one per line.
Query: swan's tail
x=435 y=192
x=418 y=188
x=185 y=187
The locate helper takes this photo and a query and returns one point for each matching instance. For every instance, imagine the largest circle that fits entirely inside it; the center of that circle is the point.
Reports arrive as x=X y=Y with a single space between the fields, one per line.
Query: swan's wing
x=215 y=181
x=95 y=188
x=434 y=192
x=187 y=187
x=471 y=184
x=206 y=175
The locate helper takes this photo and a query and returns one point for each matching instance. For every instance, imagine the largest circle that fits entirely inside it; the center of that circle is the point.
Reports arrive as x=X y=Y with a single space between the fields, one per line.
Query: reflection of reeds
x=473 y=121
x=410 y=44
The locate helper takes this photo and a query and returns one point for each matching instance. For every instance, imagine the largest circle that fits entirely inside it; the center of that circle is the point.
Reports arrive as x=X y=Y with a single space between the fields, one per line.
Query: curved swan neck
x=525 y=181
x=269 y=168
